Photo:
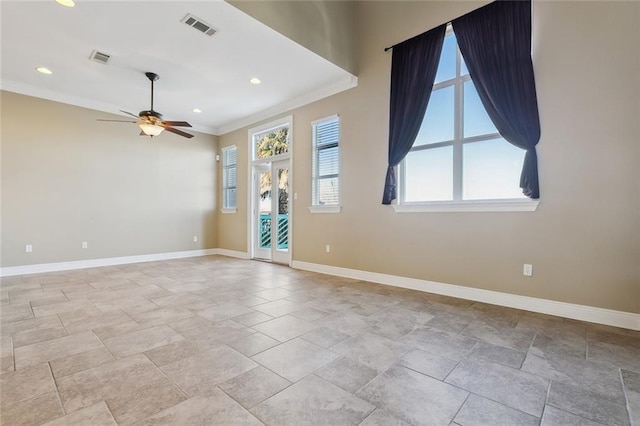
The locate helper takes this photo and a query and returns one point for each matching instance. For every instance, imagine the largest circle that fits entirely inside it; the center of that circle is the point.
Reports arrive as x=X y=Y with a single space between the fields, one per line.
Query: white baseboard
x=109 y=261
x=550 y=307
x=233 y=253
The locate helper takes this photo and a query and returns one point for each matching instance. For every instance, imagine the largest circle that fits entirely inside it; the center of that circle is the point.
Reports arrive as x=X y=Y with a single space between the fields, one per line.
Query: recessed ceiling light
x=44 y=70
x=255 y=80
x=197 y=110
x=67 y=3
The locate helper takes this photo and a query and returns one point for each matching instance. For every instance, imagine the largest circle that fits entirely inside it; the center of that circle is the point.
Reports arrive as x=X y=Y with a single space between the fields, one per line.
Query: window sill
x=470 y=206
x=325 y=209
x=229 y=210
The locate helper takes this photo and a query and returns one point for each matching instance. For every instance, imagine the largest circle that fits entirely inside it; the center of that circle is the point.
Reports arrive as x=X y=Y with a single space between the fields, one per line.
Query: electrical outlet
x=84 y=244
x=527 y=270
x=195 y=238
x=28 y=248
x=327 y=248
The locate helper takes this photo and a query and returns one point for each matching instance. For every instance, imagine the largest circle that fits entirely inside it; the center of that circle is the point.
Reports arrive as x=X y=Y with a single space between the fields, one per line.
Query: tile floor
x=216 y=340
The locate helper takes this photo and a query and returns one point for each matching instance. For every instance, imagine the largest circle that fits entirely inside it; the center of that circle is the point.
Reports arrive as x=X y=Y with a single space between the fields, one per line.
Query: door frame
x=253 y=188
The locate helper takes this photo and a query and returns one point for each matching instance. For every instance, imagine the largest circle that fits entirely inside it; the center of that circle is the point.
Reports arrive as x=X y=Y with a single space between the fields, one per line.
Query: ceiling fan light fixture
x=150 y=129
x=66 y=3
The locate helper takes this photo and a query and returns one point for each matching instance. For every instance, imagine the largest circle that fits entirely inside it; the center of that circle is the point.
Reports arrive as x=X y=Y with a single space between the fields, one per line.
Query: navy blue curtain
x=413 y=70
x=495 y=42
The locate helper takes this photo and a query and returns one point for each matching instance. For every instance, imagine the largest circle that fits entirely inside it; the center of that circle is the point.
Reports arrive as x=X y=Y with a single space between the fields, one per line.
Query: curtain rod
x=386 y=49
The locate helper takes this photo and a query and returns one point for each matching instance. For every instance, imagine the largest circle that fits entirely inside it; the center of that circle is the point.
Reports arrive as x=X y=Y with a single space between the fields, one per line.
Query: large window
x=458 y=154
x=325 y=167
x=229 y=177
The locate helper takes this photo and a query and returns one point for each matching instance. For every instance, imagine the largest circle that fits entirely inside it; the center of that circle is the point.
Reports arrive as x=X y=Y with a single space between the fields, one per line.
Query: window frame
x=457 y=203
x=225 y=207
x=266 y=128
x=316 y=207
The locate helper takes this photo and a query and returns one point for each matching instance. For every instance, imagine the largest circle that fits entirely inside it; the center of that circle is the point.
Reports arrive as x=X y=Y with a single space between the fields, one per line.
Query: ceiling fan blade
x=117 y=121
x=178 y=132
x=127 y=112
x=177 y=123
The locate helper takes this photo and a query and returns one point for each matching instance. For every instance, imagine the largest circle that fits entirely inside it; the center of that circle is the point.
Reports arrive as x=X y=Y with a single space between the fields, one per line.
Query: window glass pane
x=429 y=175
x=265 y=191
x=230 y=177
x=283 y=190
x=326 y=154
x=437 y=125
x=230 y=198
x=327 y=132
x=271 y=142
x=491 y=170
x=229 y=156
x=328 y=191
x=447 y=64
x=476 y=120
x=328 y=161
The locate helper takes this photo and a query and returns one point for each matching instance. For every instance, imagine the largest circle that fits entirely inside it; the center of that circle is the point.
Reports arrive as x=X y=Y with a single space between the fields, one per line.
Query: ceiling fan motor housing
x=150 y=113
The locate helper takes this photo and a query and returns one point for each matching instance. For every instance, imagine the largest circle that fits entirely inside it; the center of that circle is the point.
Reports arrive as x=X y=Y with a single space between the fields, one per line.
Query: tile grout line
x=535 y=336
x=375 y=377
x=217 y=386
x=546 y=398
x=626 y=397
x=370 y=414
x=115 y=358
x=55 y=383
x=576 y=414
x=167 y=377
x=461 y=405
x=544 y=409
x=110 y=412
x=270 y=370
x=62 y=324
x=13 y=352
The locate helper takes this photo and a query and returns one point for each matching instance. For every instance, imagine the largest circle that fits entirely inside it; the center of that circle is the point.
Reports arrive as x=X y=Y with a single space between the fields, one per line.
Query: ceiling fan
x=151 y=122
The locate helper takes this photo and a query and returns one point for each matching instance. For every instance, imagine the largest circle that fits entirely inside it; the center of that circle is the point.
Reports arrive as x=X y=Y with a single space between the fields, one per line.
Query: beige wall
x=324 y=27
x=584 y=239
x=67 y=178
x=232 y=228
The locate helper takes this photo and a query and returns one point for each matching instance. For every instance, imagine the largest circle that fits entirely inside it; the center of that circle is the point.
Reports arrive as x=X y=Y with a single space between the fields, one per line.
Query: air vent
x=101 y=57
x=198 y=24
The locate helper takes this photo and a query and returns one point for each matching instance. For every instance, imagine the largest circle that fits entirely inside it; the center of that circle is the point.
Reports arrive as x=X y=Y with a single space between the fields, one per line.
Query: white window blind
x=326 y=156
x=229 y=177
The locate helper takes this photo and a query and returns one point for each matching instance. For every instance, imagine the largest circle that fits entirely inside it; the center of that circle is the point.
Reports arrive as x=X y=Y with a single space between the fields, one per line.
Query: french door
x=270 y=215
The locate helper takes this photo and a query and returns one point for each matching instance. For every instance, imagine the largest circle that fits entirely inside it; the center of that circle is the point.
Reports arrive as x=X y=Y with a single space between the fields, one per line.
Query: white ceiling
x=196 y=71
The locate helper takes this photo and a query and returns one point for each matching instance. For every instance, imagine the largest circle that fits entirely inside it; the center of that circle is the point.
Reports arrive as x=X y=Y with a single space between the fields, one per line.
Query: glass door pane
x=262 y=213
x=280 y=227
